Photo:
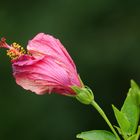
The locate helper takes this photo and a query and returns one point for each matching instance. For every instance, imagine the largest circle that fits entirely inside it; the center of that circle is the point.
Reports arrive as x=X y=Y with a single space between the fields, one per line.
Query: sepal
x=84 y=94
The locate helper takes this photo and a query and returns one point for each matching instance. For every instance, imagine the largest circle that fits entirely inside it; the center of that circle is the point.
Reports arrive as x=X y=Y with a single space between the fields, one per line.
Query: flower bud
x=84 y=94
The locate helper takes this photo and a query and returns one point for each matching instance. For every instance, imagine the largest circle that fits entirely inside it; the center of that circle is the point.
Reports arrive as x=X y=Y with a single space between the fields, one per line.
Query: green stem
x=97 y=107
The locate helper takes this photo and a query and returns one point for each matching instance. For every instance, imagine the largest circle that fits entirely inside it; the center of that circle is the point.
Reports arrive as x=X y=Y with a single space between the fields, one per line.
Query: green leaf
x=136 y=90
x=128 y=117
x=131 y=107
x=122 y=120
x=96 y=135
x=135 y=136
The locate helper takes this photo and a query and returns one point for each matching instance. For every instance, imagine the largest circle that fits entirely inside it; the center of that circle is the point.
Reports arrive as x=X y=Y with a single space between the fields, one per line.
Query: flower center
x=14 y=50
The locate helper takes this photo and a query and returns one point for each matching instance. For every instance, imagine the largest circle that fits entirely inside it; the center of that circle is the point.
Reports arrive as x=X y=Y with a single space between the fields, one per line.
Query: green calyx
x=84 y=94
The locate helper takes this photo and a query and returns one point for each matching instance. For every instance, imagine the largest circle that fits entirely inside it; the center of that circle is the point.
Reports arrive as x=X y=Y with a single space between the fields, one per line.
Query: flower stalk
x=101 y=112
x=86 y=96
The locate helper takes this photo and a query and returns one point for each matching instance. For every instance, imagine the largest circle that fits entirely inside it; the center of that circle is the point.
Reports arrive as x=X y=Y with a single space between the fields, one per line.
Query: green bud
x=84 y=94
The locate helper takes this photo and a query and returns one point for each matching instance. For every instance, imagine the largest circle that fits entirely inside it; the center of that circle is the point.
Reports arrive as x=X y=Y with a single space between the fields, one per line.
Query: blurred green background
x=103 y=38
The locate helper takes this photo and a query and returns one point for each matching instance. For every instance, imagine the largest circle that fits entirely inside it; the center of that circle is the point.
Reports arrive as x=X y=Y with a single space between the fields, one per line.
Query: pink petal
x=48 y=45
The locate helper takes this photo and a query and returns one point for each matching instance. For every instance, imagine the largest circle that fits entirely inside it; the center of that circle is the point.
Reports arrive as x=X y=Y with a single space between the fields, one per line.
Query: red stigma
x=2 y=42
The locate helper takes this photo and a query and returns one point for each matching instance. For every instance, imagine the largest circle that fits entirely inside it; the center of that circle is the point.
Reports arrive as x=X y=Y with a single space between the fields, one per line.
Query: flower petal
x=48 y=45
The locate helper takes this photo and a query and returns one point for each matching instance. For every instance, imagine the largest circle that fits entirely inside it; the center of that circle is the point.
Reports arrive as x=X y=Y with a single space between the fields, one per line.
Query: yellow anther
x=15 y=51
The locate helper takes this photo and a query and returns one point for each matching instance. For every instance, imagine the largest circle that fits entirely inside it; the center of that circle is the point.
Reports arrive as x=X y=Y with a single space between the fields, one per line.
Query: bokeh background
x=103 y=38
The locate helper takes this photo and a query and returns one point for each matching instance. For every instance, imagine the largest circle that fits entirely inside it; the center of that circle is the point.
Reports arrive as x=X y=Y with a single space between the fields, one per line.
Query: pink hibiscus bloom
x=46 y=67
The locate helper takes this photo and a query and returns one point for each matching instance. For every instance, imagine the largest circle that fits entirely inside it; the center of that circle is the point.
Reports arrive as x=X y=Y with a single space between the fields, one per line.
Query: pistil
x=14 y=50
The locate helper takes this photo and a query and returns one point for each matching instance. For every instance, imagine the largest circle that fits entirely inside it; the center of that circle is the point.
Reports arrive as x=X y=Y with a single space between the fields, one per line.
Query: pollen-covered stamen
x=15 y=51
